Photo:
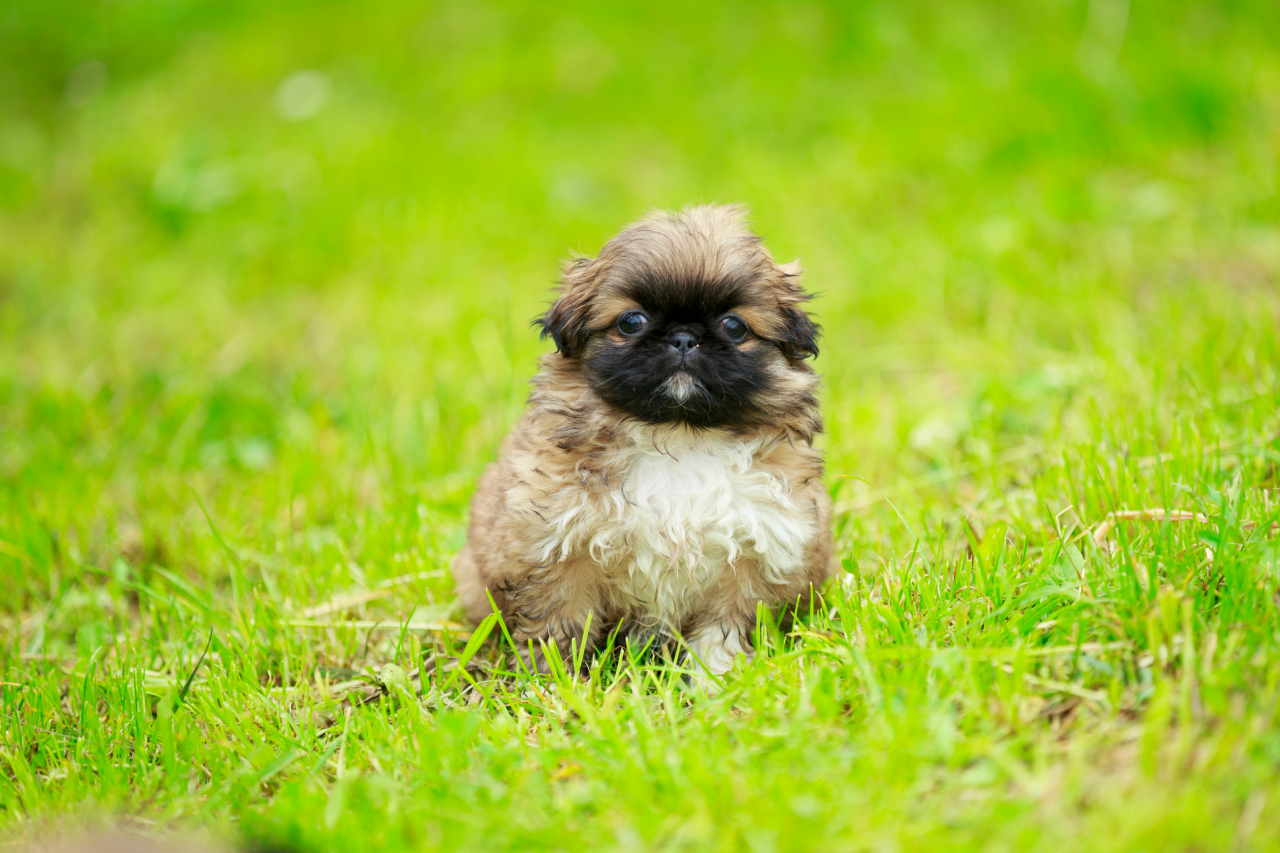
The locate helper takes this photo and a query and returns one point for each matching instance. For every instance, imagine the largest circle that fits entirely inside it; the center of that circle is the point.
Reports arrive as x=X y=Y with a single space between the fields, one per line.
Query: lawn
x=266 y=279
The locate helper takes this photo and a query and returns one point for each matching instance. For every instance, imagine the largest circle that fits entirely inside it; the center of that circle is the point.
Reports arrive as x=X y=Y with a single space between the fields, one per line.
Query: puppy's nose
x=683 y=342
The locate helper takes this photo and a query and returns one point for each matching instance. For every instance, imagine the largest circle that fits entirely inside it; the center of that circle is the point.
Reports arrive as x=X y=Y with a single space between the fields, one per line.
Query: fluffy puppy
x=663 y=478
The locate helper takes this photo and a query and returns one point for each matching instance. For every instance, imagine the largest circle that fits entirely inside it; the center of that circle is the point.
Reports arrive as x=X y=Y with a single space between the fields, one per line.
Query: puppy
x=663 y=479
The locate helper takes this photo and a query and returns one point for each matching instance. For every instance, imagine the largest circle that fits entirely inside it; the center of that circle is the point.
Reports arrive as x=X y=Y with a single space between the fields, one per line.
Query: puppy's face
x=685 y=352
x=686 y=319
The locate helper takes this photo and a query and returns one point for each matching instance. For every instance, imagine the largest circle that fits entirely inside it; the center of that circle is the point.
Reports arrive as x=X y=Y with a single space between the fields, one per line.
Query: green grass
x=251 y=365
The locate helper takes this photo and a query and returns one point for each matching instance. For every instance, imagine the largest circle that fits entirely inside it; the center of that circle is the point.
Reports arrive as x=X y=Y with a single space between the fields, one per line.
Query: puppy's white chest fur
x=689 y=508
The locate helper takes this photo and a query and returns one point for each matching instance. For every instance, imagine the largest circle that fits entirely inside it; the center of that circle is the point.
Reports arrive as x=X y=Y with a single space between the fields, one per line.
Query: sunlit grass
x=266 y=280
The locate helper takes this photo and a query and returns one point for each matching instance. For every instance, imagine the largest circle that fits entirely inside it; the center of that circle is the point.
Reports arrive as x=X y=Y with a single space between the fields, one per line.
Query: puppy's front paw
x=713 y=653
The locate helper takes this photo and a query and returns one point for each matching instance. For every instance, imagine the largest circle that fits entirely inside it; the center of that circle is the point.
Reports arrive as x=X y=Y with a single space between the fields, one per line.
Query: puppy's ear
x=799 y=338
x=567 y=321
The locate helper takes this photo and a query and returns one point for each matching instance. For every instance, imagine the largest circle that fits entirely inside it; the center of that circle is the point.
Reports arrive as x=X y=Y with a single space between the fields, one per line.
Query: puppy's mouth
x=681 y=386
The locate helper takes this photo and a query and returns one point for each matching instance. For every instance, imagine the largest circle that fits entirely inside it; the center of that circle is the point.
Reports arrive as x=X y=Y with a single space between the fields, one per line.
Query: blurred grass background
x=281 y=260
x=207 y=284
x=196 y=284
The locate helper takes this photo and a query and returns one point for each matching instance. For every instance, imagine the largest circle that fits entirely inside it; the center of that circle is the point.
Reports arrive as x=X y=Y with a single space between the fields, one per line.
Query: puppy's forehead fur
x=702 y=258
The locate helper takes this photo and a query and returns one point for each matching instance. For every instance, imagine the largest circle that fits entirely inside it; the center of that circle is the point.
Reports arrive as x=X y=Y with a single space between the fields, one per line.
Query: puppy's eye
x=734 y=328
x=632 y=323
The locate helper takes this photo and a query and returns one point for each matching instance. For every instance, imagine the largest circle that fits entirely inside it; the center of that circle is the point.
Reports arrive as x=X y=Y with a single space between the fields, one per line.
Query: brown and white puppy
x=663 y=478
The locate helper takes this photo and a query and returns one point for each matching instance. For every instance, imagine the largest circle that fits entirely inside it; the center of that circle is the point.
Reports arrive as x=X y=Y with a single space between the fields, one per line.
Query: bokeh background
x=239 y=240
x=267 y=273
x=287 y=257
